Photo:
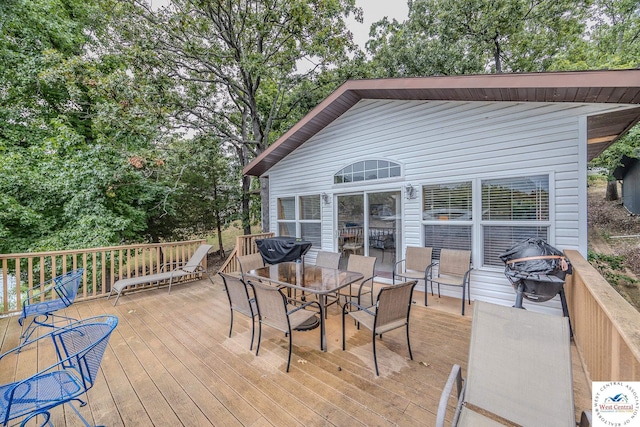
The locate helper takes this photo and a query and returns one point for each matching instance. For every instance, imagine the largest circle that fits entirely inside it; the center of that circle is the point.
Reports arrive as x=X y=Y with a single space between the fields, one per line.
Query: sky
x=373 y=11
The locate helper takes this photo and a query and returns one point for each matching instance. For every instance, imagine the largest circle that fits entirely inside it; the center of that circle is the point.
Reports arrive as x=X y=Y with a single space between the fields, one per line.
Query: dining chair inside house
x=453 y=269
x=274 y=310
x=414 y=265
x=353 y=241
x=250 y=262
x=391 y=311
x=364 y=265
x=240 y=301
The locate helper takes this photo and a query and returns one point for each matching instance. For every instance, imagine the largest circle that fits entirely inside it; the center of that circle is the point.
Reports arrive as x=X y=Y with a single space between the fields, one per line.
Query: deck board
x=170 y=361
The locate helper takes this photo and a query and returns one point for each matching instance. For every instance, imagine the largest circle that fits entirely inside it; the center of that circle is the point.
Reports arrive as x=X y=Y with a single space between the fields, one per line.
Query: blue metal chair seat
x=41 y=305
x=79 y=348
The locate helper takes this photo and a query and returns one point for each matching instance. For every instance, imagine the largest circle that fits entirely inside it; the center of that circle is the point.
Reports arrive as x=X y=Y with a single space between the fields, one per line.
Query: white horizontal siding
x=438 y=141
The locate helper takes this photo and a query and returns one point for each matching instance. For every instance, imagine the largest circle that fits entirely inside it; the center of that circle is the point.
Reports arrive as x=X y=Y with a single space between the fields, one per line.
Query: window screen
x=447 y=237
x=310 y=207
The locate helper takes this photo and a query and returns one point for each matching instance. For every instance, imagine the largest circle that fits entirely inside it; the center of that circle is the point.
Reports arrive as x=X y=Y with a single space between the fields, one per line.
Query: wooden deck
x=170 y=362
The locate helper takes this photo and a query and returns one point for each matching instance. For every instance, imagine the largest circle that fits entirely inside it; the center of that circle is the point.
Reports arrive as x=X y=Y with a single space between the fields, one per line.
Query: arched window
x=367 y=170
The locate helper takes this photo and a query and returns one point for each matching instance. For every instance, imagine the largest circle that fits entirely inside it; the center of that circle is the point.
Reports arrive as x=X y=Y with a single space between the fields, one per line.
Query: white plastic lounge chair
x=190 y=268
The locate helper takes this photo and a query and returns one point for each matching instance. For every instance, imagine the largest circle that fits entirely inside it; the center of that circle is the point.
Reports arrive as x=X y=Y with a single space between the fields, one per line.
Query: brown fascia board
x=607 y=86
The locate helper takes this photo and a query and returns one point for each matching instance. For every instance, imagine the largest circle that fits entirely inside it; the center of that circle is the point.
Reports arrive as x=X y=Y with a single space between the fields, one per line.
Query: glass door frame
x=382 y=217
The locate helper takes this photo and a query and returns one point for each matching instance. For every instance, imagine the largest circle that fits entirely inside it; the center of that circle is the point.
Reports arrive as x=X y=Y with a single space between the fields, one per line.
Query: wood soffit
x=610 y=86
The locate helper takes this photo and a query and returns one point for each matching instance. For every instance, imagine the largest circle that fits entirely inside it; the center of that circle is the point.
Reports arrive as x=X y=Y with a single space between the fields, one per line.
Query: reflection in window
x=513 y=209
x=516 y=199
x=444 y=202
x=303 y=222
x=287 y=208
x=367 y=170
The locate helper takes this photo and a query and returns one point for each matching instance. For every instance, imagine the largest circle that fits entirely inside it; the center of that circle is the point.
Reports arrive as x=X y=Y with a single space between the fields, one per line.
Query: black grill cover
x=282 y=249
x=540 y=278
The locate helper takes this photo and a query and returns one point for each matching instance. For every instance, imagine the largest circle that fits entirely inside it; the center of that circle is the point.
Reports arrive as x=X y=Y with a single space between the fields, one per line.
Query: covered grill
x=536 y=271
x=279 y=249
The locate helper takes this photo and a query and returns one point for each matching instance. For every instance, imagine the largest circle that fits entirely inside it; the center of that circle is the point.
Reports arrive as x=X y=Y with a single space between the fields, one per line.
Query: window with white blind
x=304 y=221
x=448 y=215
x=513 y=209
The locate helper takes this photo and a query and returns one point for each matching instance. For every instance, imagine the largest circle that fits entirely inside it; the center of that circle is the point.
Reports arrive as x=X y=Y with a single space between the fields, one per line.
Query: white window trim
x=477 y=223
x=298 y=221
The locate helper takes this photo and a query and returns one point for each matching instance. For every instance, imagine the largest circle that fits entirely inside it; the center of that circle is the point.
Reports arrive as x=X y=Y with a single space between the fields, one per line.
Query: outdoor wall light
x=326 y=199
x=409 y=192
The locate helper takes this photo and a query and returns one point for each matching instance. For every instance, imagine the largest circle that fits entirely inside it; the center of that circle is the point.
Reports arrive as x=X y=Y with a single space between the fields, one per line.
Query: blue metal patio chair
x=56 y=294
x=79 y=348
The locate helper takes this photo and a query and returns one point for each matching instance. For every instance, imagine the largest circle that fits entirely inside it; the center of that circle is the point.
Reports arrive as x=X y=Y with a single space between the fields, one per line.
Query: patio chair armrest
x=455 y=377
x=429 y=270
x=358 y=306
x=171 y=266
x=49 y=287
x=363 y=281
x=362 y=285
x=397 y=263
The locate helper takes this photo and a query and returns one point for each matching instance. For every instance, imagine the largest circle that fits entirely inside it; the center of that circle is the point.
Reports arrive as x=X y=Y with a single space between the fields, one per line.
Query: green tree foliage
x=76 y=164
x=207 y=191
x=236 y=63
x=612 y=40
x=476 y=36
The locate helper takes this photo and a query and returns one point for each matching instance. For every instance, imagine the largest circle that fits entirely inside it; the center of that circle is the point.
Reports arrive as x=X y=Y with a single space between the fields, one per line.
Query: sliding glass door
x=370 y=224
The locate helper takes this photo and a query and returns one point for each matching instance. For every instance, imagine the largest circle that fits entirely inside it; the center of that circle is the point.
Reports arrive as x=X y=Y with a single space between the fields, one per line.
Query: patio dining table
x=312 y=279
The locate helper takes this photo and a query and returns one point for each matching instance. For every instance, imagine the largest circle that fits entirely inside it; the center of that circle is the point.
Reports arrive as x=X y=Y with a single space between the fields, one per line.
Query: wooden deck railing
x=606 y=327
x=245 y=245
x=22 y=274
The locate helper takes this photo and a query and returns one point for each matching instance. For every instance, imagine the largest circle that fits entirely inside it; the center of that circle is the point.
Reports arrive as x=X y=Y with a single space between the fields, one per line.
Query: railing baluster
x=102 y=267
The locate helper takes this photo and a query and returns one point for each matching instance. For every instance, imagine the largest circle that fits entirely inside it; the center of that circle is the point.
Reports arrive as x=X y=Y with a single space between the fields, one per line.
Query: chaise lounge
x=192 y=267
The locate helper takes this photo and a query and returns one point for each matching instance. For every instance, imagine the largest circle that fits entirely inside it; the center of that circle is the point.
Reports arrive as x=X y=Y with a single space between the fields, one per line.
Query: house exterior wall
x=631 y=188
x=441 y=141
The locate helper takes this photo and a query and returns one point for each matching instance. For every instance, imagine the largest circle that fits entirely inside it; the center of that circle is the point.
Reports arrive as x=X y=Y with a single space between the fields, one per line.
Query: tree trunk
x=246 y=216
x=496 y=55
x=612 y=191
x=218 y=221
x=264 y=196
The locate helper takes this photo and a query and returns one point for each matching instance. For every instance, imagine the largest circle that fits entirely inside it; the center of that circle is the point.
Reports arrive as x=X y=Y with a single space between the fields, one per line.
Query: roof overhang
x=610 y=86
